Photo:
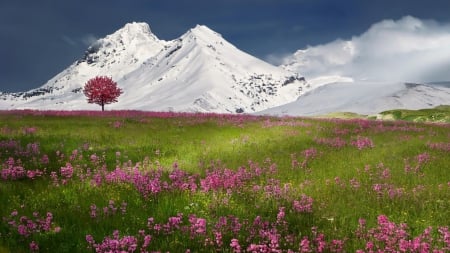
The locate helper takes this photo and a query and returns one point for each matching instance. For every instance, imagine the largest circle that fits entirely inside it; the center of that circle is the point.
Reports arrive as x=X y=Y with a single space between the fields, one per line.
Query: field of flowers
x=130 y=181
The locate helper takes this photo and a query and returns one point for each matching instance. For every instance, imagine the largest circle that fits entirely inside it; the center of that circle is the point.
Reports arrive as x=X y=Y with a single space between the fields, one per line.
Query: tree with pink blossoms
x=101 y=90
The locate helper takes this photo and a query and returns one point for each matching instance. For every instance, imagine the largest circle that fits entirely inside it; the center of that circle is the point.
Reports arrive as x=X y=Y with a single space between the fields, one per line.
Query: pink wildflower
x=235 y=245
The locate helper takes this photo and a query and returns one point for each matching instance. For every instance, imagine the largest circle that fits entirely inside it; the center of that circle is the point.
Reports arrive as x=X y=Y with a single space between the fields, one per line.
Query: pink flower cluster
x=152 y=182
x=14 y=170
x=336 y=142
x=420 y=161
x=391 y=237
x=14 y=153
x=109 y=210
x=27 y=226
x=292 y=122
x=10 y=145
x=223 y=179
x=308 y=155
x=318 y=243
x=235 y=119
x=261 y=236
x=304 y=205
x=29 y=130
x=114 y=243
x=117 y=124
x=362 y=143
x=440 y=146
x=15 y=148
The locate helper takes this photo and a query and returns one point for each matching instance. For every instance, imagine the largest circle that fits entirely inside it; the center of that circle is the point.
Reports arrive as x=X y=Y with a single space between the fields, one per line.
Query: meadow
x=437 y=114
x=130 y=181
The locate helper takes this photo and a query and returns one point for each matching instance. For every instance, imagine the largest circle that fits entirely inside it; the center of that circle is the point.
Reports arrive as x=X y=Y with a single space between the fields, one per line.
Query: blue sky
x=41 y=38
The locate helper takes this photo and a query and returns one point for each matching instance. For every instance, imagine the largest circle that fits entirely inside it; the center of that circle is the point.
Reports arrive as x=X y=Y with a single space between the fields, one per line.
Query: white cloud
x=408 y=49
x=89 y=39
x=276 y=59
x=85 y=40
x=68 y=40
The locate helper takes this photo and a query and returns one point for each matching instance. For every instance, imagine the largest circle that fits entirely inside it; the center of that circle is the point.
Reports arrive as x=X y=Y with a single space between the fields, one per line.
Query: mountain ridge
x=199 y=71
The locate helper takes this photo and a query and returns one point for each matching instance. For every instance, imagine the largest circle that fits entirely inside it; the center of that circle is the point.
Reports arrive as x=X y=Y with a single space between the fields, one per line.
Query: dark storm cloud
x=41 y=38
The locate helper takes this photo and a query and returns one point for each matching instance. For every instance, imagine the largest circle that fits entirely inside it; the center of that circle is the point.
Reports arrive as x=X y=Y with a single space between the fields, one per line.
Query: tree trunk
x=103 y=107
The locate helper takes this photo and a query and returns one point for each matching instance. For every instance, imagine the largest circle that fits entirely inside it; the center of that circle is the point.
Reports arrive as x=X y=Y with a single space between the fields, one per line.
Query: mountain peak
x=134 y=28
x=134 y=41
x=132 y=31
x=202 y=31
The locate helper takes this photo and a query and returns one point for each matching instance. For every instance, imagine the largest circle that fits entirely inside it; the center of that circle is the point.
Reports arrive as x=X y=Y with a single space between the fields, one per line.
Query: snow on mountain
x=365 y=97
x=367 y=73
x=200 y=71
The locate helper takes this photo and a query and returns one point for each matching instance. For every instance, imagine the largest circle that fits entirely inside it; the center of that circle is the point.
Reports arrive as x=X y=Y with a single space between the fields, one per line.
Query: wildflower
x=22 y=230
x=305 y=245
x=117 y=124
x=44 y=159
x=90 y=239
x=34 y=247
x=93 y=211
x=112 y=207
x=355 y=184
x=423 y=158
x=304 y=205
x=67 y=171
x=147 y=239
x=218 y=239
x=386 y=174
x=94 y=158
x=377 y=188
x=235 y=245
x=369 y=246
x=29 y=130
x=123 y=208
x=337 y=246
x=281 y=214
x=363 y=143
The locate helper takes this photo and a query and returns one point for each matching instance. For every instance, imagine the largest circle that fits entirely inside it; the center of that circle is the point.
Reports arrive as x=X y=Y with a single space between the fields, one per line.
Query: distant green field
x=166 y=182
x=437 y=114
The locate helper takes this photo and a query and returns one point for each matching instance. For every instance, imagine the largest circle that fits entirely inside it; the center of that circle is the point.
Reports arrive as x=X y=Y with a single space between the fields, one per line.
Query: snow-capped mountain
x=199 y=71
x=364 y=97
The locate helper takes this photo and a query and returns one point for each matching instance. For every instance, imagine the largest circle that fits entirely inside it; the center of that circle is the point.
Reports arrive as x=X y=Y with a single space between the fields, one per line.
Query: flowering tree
x=101 y=90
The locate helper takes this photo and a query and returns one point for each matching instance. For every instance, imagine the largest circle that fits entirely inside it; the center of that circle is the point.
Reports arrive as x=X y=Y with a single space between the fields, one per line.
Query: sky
x=41 y=38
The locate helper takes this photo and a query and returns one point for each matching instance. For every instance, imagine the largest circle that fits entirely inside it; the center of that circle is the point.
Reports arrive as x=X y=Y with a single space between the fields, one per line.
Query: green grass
x=199 y=145
x=438 y=114
x=343 y=115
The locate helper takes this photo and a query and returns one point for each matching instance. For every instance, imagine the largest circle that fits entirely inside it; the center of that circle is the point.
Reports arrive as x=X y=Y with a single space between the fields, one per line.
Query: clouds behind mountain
x=408 y=49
